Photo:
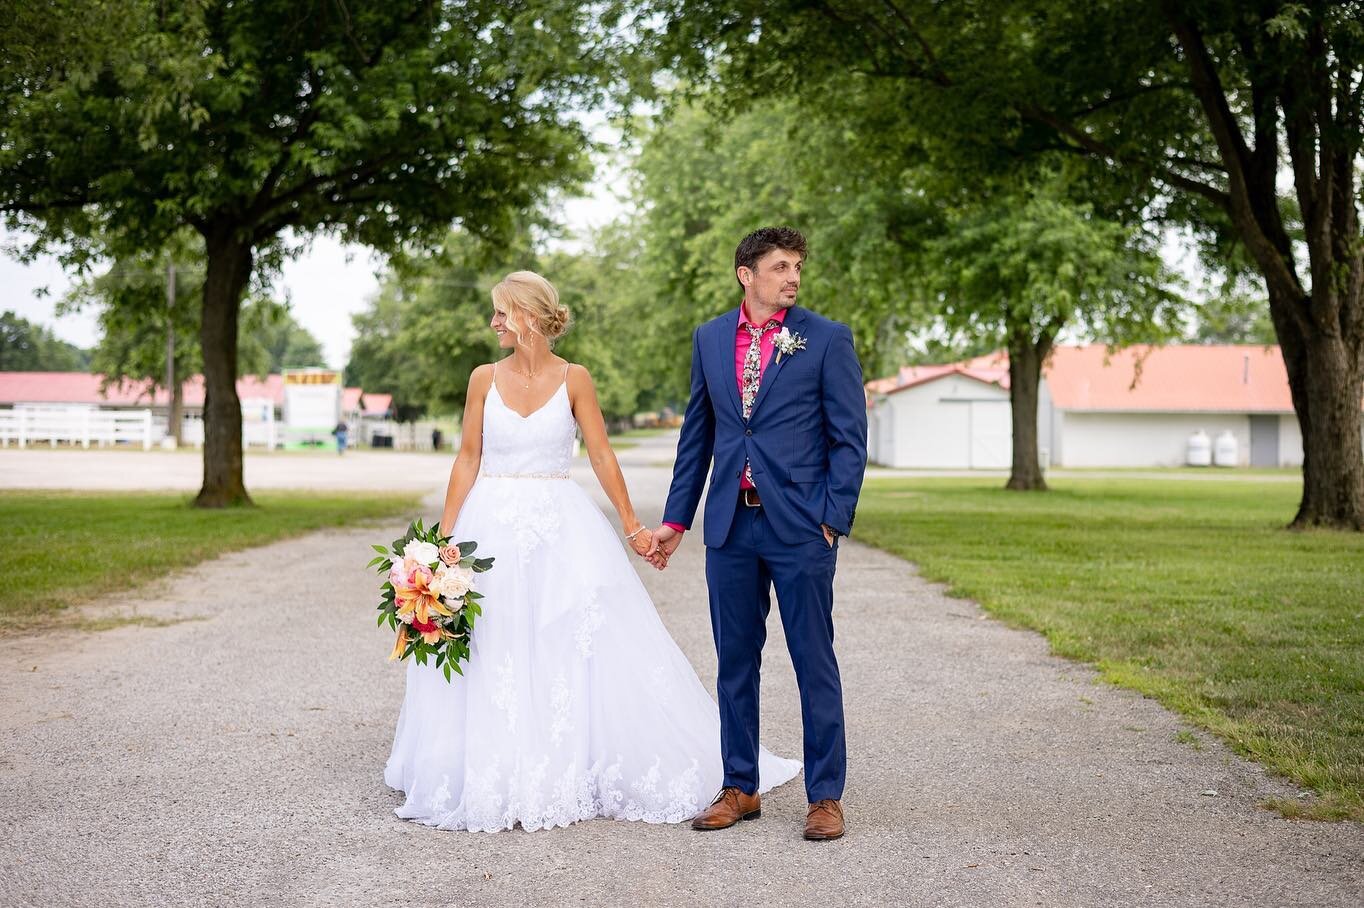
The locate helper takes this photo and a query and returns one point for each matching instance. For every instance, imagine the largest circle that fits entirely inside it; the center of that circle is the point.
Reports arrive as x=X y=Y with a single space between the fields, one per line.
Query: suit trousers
x=740 y=576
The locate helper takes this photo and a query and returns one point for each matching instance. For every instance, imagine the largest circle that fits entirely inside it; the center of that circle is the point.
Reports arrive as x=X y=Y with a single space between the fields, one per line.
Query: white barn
x=1132 y=408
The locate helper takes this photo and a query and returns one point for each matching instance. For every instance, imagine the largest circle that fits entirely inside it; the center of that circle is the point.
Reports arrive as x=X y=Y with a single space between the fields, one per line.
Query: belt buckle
x=748 y=499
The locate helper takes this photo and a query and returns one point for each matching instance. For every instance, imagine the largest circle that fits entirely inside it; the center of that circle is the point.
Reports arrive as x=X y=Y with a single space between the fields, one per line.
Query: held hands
x=641 y=541
x=665 y=542
x=645 y=547
x=655 y=546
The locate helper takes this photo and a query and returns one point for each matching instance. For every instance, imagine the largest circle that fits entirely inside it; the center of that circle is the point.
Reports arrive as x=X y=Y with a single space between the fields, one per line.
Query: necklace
x=527 y=377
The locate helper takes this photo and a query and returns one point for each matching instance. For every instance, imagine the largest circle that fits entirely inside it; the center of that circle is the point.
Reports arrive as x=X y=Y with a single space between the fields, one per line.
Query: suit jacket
x=806 y=437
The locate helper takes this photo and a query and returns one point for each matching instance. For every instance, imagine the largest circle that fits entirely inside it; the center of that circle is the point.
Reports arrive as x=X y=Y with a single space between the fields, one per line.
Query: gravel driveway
x=215 y=760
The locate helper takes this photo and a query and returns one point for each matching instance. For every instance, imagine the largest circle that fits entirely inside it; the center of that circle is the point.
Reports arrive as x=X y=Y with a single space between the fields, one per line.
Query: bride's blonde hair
x=526 y=295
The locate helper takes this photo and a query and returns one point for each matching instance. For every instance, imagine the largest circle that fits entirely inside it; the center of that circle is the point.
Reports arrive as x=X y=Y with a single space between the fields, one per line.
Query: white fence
x=27 y=424
x=406 y=436
x=77 y=425
x=261 y=434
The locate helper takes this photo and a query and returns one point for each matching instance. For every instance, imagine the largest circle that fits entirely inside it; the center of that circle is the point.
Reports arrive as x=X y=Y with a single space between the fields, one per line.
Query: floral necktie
x=752 y=376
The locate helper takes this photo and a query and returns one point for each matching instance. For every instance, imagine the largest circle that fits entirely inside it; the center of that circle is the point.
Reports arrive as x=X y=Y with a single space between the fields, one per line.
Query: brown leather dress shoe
x=729 y=807
x=824 y=821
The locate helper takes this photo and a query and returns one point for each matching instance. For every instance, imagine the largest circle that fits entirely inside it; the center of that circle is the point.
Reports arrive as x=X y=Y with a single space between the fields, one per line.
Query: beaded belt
x=561 y=474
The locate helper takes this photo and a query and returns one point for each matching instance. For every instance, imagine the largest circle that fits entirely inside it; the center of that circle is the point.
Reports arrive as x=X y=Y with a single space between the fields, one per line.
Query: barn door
x=991 y=435
x=1264 y=441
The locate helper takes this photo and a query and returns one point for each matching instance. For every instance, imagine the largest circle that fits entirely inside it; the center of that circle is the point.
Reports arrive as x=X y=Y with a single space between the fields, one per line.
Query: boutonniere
x=787 y=343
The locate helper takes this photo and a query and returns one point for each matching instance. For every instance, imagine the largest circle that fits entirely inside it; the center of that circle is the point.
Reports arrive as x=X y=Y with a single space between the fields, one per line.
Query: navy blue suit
x=807 y=442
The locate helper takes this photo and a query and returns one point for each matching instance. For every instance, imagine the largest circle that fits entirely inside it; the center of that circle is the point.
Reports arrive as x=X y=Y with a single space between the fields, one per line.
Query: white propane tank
x=1199 y=450
x=1224 y=450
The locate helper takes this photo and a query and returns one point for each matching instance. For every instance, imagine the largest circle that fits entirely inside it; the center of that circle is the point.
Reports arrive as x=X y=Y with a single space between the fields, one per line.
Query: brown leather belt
x=750 y=498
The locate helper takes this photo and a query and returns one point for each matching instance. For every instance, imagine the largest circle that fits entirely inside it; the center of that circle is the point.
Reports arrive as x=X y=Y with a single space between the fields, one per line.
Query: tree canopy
x=427 y=327
x=1192 y=111
x=383 y=123
x=29 y=347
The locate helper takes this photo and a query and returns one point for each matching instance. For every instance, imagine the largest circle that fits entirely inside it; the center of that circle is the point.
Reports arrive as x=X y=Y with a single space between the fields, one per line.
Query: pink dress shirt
x=742 y=339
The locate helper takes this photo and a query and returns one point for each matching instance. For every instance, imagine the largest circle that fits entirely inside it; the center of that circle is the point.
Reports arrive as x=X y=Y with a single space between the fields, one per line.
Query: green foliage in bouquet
x=429 y=596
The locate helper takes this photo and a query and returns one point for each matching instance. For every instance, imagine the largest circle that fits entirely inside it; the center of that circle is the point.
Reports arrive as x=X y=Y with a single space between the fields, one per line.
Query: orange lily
x=414 y=598
x=400 y=645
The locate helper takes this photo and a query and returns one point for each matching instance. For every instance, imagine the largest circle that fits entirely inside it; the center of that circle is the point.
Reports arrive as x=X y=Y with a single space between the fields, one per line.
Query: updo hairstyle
x=529 y=298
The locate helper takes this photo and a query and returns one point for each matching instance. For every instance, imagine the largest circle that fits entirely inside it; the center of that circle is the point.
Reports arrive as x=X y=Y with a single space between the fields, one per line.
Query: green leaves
x=29 y=347
x=451 y=648
x=1029 y=259
x=383 y=122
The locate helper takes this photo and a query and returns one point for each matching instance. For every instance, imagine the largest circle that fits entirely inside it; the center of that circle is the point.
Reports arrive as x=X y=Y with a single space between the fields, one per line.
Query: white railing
x=76 y=425
x=404 y=436
x=84 y=426
x=261 y=434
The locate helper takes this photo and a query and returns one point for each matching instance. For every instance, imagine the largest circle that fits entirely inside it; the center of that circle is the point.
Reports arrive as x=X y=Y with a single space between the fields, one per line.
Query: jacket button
x=748 y=431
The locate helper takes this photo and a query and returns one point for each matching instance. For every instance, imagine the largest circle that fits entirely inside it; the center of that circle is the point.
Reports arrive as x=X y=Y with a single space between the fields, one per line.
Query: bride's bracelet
x=631 y=536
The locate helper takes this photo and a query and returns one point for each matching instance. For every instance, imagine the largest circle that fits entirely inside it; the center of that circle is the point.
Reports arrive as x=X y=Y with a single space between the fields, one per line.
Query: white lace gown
x=575 y=702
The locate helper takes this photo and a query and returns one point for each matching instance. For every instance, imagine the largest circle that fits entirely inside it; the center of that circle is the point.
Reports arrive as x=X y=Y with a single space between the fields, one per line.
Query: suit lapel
x=793 y=318
x=724 y=348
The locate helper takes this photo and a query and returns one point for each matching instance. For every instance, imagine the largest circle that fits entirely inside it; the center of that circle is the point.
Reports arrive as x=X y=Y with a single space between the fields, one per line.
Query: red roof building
x=1135 y=407
x=17 y=388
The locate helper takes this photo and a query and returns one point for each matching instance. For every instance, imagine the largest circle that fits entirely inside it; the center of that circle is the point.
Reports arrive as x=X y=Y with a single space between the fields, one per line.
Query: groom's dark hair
x=762 y=241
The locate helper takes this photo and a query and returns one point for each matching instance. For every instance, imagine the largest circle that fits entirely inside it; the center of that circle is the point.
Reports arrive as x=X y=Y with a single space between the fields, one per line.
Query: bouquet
x=429 y=596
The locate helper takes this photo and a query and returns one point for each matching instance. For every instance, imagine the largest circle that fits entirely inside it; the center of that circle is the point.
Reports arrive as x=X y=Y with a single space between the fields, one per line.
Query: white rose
x=452 y=582
x=425 y=552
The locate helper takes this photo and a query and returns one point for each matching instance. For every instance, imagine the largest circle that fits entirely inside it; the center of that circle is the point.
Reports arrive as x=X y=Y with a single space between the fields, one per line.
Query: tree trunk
x=1333 y=471
x=1025 y=374
x=1326 y=384
x=177 y=409
x=229 y=269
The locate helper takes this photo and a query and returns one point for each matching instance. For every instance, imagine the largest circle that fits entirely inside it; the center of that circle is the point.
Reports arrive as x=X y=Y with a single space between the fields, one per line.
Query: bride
x=575 y=702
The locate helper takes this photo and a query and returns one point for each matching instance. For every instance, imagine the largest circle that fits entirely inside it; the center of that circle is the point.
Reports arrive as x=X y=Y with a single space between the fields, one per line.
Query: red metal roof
x=1232 y=378
x=992 y=369
x=377 y=404
x=1186 y=377
x=83 y=388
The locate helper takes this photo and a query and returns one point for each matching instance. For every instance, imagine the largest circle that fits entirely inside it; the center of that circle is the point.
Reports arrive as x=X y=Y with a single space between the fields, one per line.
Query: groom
x=777 y=404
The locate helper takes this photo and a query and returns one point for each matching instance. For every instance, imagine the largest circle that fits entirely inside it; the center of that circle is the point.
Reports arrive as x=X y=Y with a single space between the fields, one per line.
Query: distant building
x=262 y=401
x=1137 y=407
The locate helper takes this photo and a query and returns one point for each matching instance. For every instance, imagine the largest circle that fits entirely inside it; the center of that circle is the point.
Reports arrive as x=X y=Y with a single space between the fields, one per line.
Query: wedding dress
x=575 y=702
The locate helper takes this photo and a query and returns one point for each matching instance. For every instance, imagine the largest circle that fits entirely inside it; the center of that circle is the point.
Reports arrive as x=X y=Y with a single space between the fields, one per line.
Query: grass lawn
x=123 y=539
x=1190 y=592
x=1200 y=472
x=644 y=433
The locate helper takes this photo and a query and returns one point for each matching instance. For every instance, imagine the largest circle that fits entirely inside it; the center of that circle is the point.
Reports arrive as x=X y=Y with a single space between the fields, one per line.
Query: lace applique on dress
x=561 y=699
x=660 y=687
x=590 y=620
x=504 y=697
x=528 y=509
x=484 y=800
